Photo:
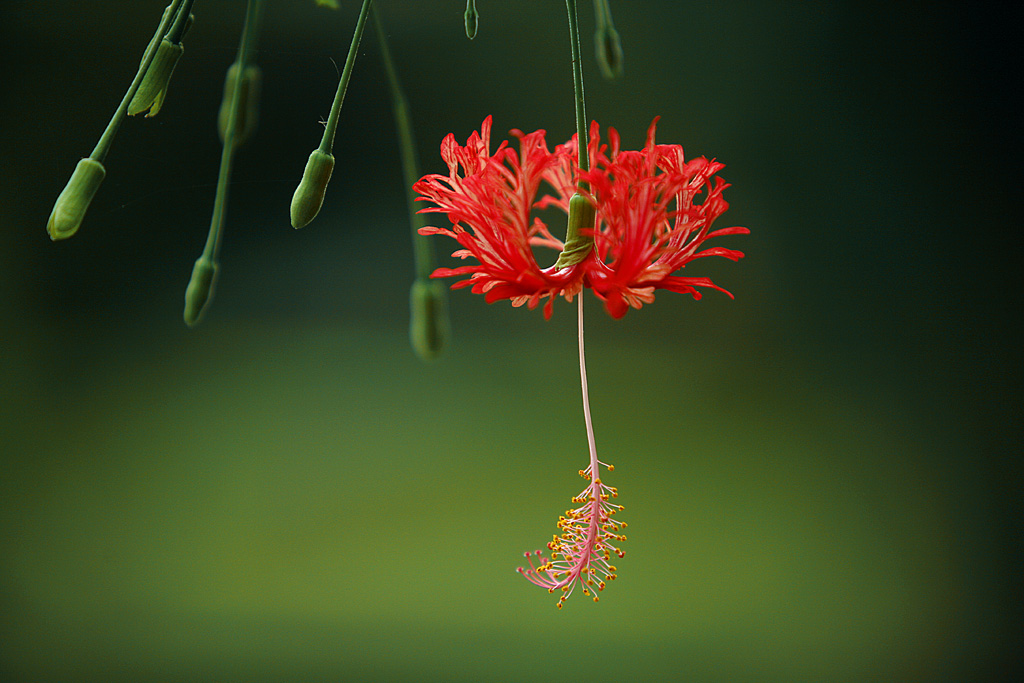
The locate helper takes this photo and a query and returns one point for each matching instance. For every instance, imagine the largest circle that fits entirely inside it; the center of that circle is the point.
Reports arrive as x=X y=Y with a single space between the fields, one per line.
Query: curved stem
x=211 y=249
x=327 y=141
x=577 y=81
x=99 y=152
x=423 y=250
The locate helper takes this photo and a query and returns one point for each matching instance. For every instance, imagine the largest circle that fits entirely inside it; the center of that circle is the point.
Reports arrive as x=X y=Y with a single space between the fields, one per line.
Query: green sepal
x=309 y=195
x=428 y=322
x=200 y=288
x=73 y=201
x=248 y=103
x=153 y=89
x=577 y=246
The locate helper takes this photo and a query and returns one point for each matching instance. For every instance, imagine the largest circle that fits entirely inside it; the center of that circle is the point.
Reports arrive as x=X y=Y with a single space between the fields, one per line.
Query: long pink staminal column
x=580 y=555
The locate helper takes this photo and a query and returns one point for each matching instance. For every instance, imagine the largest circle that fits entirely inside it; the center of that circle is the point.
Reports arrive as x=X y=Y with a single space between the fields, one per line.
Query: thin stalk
x=253 y=11
x=178 y=28
x=422 y=249
x=577 y=82
x=595 y=473
x=99 y=152
x=327 y=141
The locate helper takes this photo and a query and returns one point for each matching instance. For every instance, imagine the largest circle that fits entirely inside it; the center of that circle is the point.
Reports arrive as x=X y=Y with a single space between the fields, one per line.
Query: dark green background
x=819 y=476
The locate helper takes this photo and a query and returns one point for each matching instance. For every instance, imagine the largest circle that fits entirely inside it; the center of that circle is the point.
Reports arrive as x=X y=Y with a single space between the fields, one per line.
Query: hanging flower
x=654 y=211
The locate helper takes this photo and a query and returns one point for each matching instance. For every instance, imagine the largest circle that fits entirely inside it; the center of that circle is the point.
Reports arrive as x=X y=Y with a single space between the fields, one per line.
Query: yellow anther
x=595 y=599
x=611 y=468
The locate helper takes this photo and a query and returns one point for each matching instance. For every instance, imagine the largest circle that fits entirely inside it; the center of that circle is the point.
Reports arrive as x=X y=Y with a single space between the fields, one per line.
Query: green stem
x=327 y=142
x=250 y=28
x=602 y=14
x=577 y=81
x=99 y=152
x=422 y=250
x=178 y=28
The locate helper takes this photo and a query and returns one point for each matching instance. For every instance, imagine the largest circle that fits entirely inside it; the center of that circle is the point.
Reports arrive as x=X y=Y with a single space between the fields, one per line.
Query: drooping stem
x=423 y=249
x=577 y=82
x=250 y=28
x=594 y=472
x=327 y=141
x=99 y=152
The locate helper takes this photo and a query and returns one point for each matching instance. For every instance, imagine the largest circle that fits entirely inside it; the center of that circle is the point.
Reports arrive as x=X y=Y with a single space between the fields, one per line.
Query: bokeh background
x=820 y=477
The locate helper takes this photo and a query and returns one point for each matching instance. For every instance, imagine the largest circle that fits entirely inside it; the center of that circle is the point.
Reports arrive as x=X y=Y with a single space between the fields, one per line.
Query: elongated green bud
x=153 y=89
x=200 y=290
x=609 y=52
x=73 y=201
x=428 y=324
x=472 y=19
x=248 y=103
x=577 y=246
x=606 y=41
x=309 y=195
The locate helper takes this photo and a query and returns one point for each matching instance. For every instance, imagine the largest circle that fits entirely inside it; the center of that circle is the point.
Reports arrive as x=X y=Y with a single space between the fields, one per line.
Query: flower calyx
x=579 y=235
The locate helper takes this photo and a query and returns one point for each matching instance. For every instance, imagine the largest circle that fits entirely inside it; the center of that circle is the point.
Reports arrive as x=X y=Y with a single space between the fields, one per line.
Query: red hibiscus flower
x=654 y=211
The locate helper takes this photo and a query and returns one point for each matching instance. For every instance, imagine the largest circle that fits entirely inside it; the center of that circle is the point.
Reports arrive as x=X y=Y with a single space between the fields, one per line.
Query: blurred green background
x=819 y=476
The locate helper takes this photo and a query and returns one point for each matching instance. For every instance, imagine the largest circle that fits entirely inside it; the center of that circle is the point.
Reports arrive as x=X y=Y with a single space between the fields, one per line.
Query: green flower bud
x=309 y=195
x=153 y=89
x=472 y=19
x=73 y=201
x=428 y=324
x=248 y=103
x=577 y=246
x=199 y=290
x=609 y=51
